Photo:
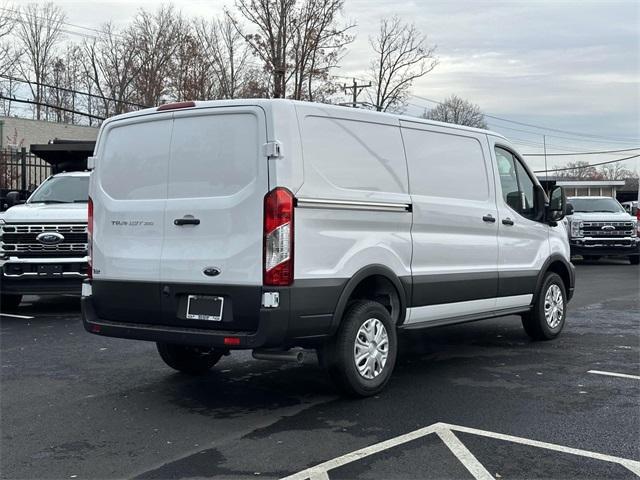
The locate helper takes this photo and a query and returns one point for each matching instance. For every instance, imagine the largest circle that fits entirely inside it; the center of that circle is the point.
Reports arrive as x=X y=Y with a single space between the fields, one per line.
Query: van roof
x=266 y=103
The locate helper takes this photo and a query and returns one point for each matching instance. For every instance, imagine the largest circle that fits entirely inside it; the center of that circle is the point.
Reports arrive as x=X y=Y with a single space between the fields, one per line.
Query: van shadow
x=49 y=305
x=252 y=385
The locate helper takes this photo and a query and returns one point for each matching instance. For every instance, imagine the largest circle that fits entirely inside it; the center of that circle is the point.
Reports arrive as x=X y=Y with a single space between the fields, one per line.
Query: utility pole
x=356 y=90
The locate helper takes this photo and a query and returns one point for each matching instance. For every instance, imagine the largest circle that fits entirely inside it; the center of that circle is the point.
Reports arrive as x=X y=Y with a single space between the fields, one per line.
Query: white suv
x=272 y=224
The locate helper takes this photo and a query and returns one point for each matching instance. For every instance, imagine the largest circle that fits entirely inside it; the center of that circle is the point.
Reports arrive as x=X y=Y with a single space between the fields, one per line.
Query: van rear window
x=213 y=155
x=133 y=162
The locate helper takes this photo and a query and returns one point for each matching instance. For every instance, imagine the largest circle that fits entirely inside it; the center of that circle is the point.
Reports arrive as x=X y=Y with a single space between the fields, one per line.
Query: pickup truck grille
x=21 y=240
x=607 y=229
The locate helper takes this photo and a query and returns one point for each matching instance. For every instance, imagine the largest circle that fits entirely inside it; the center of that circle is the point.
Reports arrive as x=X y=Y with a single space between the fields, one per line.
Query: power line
x=588 y=166
x=70 y=90
x=569 y=132
x=580 y=153
x=531 y=132
x=56 y=107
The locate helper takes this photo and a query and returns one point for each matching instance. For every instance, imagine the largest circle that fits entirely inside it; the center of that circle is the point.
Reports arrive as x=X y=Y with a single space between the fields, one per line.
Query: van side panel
x=454 y=222
x=350 y=159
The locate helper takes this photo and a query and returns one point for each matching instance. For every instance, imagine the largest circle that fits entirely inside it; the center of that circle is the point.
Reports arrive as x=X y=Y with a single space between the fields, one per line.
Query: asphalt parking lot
x=477 y=400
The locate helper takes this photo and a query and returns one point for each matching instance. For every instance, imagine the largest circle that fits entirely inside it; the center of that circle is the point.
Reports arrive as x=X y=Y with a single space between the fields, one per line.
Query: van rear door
x=217 y=180
x=128 y=188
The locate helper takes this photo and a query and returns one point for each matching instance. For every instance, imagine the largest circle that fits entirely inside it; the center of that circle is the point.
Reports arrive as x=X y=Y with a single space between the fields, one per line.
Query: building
x=586 y=188
x=16 y=133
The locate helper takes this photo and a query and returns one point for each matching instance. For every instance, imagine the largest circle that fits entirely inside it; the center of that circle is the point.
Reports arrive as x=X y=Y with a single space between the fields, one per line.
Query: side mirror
x=568 y=209
x=557 y=207
x=13 y=198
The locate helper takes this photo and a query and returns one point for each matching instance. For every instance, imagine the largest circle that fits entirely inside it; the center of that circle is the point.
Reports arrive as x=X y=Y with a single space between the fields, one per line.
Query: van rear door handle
x=186 y=221
x=507 y=221
x=489 y=218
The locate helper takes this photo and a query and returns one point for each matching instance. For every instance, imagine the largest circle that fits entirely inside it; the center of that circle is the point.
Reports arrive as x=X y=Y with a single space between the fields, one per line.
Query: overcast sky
x=568 y=65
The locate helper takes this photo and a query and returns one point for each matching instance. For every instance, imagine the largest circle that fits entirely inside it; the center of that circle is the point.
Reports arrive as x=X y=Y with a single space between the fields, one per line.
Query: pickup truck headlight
x=576 y=229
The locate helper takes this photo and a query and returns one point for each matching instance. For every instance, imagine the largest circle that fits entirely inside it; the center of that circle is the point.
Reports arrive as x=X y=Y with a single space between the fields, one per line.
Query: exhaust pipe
x=294 y=355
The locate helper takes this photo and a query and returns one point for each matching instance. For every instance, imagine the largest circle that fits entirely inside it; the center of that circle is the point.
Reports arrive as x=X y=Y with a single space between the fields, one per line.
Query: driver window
x=517 y=186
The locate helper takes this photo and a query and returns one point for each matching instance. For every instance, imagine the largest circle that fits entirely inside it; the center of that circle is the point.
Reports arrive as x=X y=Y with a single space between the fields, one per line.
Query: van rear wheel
x=187 y=359
x=546 y=319
x=362 y=354
x=9 y=302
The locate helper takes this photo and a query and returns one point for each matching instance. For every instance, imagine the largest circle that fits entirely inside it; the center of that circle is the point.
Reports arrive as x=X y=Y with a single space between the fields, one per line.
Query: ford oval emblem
x=50 y=238
x=211 y=272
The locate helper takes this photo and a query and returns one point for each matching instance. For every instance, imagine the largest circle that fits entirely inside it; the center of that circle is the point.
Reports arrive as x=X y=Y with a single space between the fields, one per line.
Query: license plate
x=204 y=307
x=49 y=269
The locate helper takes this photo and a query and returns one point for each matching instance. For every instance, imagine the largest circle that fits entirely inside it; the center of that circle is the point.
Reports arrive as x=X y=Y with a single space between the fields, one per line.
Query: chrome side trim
x=352 y=205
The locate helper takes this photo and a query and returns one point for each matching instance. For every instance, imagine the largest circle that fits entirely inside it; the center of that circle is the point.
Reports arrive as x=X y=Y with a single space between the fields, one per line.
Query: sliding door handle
x=507 y=221
x=489 y=218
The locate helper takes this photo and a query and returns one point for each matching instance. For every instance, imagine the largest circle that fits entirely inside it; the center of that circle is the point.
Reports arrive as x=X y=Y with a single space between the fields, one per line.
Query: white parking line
x=15 y=316
x=463 y=454
x=471 y=463
x=614 y=374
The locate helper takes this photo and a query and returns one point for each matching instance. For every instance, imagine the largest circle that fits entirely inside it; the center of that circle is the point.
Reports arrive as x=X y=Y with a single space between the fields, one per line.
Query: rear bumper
x=303 y=317
x=271 y=331
x=581 y=247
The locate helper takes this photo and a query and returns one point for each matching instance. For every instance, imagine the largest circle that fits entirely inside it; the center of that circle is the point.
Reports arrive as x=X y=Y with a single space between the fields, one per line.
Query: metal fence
x=21 y=171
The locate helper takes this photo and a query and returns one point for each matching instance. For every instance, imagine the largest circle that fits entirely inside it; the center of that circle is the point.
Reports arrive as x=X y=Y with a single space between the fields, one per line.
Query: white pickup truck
x=43 y=242
x=600 y=226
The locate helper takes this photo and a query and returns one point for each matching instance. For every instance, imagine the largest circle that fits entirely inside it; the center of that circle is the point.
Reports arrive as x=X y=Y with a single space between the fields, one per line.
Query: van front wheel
x=547 y=316
x=361 y=356
x=187 y=359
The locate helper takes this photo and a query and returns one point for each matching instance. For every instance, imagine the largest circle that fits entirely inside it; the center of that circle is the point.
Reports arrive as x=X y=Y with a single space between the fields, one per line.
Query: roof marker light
x=175 y=105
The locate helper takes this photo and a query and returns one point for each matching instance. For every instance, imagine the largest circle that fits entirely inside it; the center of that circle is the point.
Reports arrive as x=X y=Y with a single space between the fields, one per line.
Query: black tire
x=534 y=321
x=187 y=359
x=634 y=259
x=9 y=302
x=338 y=355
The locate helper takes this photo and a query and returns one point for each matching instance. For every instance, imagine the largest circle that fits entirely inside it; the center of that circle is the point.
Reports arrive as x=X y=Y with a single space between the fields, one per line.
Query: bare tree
x=192 y=76
x=298 y=42
x=155 y=38
x=578 y=170
x=457 y=110
x=9 y=54
x=229 y=54
x=39 y=30
x=615 y=171
x=318 y=44
x=402 y=56
x=111 y=68
x=271 y=19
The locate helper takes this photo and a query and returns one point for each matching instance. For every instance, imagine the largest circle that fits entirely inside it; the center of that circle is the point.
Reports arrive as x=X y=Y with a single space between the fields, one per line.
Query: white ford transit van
x=272 y=224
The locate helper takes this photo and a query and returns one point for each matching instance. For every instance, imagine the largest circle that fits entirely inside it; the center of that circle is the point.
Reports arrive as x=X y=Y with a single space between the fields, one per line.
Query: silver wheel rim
x=371 y=348
x=553 y=306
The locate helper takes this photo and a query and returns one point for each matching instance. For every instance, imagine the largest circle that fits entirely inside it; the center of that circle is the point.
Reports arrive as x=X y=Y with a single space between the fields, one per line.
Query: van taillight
x=278 y=238
x=90 y=238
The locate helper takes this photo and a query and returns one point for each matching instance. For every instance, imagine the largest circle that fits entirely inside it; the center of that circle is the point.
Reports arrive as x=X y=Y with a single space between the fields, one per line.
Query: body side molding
x=352 y=205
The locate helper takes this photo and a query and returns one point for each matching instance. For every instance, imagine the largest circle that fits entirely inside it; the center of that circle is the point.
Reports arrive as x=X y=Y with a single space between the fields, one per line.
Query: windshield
x=62 y=190
x=596 y=205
